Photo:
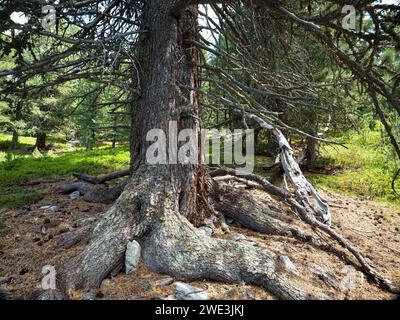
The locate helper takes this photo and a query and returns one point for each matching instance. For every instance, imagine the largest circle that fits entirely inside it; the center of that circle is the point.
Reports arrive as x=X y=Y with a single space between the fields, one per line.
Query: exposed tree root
x=69 y=239
x=148 y=210
x=171 y=245
x=95 y=193
x=174 y=247
x=309 y=218
x=102 y=179
x=245 y=209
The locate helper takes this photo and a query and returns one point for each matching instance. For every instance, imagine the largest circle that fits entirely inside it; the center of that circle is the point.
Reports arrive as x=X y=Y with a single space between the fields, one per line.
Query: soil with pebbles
x=29 y=242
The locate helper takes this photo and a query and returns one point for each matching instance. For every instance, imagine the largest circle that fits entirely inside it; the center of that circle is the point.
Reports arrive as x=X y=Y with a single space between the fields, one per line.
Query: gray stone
x=74 y=195
x=225 y=228
x=185 y=291
x=205 y=231
x=51 y=295
x=246 y=295
x=53 y=209
x=146 y=286
x=238 y=237
x=91 y=295
x=132 y=257
x=105 y=283
x=74 y=143
x=50 y=209
x=287 y=264
x=164 y=282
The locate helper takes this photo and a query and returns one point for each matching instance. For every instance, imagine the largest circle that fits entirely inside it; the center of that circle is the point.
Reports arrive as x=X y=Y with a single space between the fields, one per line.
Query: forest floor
x=29 y=242
x=355 y=181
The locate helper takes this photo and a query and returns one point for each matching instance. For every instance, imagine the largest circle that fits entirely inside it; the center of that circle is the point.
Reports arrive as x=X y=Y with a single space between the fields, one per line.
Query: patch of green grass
x=364 y=169
x=19 y=199
x=99 y=161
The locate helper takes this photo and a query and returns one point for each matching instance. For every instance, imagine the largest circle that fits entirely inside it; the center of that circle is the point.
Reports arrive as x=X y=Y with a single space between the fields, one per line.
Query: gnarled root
x=174 y=247
x=95 y=193
x=102 y=179
x=310 y=219
x=242 y=207
x=171 y=245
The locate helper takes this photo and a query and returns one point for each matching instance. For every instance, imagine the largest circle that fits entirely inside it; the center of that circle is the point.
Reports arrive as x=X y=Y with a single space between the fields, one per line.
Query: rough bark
x=69 y=239
x=242 y=207
x=41 y=141
x=174 y=247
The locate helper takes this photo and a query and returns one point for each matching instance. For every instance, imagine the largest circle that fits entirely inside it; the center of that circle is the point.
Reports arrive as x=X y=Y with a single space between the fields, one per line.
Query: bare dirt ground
x=29 y=242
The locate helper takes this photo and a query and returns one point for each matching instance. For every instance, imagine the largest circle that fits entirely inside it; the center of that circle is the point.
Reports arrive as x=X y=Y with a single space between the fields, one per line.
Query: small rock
x=132 y=257
x=187 y=292
x=206 y=231
x=53 y=209
x=18 y=238
x=287 y=264
x=238 y=237
x=225 y=228
x=50 y=295
x=229 y=220
x=164 y=282
x=247 y=295
x=74 y=195
x=16 y=281
x=50 y=209
x=91 y=295
x=105 y=283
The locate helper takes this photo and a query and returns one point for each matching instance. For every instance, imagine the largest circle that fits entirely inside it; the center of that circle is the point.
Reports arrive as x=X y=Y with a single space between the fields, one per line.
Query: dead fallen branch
x=102 y=179
x=309 y=218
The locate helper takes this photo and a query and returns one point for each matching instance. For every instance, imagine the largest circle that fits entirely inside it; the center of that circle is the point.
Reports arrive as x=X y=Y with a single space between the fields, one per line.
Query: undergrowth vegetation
x=364 y=169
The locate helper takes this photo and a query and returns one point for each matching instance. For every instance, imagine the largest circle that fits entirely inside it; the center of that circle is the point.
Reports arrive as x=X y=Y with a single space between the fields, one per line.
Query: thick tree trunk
x=162 y=204
x=310 y=152
x=41 y=141
x=167 y=60
x=18 y=117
